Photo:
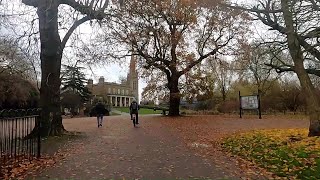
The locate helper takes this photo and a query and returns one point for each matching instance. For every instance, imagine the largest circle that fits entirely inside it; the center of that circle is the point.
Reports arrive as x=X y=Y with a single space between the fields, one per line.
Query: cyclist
x=134 y=108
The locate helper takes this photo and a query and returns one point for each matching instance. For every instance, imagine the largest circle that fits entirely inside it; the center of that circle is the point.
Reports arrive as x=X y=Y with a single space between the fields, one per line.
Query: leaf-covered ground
x=53 y=149
x=287 y=153
x=161 y=148
x=117 y=150
x=209 y=131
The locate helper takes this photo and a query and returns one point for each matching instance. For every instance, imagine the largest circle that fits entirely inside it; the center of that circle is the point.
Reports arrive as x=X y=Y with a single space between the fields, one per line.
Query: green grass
x=141 y=111
x=287 y=153
x=114 y=114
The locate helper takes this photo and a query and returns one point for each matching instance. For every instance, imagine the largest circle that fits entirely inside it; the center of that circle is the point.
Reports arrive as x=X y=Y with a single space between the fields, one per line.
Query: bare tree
x=17 y=88
x=175 y=36
x=253 y=64
x=223 y=73
x=297 y=22
x=51 y=52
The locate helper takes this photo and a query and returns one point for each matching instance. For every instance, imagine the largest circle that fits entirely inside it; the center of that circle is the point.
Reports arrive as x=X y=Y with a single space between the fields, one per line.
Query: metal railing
x=19 y=135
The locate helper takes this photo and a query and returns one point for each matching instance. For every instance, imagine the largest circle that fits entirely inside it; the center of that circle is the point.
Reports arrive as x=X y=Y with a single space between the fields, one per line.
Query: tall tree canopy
x=174 y=36
x=51 y=51
x=295 y=25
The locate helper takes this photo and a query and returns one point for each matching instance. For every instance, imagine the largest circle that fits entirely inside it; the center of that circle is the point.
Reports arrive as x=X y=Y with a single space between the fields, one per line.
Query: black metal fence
x=19 y=135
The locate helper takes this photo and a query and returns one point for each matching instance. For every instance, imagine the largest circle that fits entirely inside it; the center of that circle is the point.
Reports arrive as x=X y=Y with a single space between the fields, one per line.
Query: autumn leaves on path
x=160 y=148
x=117 y=150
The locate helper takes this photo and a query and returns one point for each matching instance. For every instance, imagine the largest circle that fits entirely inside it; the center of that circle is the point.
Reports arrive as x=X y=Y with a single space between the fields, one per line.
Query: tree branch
x=73 y=27
x=287 y=68
x=192 y=64
x=33 y=3
x=254 y=10
x=311 y=49
x=88 y=10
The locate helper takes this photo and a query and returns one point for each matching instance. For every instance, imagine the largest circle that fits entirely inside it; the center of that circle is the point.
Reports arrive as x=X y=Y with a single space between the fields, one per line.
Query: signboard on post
x=251 y=102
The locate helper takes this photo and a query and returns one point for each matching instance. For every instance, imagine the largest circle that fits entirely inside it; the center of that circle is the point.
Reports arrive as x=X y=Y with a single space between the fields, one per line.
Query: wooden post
x=259 y=105
x=38 y=123
x=240 y=108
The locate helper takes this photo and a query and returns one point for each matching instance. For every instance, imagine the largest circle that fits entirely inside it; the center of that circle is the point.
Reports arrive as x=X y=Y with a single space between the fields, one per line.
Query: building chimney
x=101 y=80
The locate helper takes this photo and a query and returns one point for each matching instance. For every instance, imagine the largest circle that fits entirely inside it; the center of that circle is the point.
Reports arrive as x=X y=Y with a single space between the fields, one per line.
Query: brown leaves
x=21 y=169
x=203 y=134
x=28 y=168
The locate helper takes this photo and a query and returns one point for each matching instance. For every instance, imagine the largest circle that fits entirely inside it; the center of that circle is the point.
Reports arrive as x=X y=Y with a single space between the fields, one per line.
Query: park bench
x=155 y=108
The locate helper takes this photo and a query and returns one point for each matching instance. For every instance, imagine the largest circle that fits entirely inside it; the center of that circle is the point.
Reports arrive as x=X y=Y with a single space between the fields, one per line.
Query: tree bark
x=296 y=53
x=174 y=95
x=50 y=55
x=224 y=93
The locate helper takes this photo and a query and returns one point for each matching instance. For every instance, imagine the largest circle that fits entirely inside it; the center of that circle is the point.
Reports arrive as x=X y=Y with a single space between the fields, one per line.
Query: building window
x=114 y=91
x=127 y=92
x=118 y=91
x=122 y=91
x=109 y=90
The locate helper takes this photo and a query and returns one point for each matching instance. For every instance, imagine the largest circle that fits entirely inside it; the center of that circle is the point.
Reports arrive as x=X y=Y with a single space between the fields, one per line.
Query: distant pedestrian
x=134 y=109
x=100 y=110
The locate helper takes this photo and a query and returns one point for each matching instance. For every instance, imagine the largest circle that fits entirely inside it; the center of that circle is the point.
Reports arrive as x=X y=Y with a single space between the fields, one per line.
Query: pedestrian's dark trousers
x=136 y=117
x=100 y=119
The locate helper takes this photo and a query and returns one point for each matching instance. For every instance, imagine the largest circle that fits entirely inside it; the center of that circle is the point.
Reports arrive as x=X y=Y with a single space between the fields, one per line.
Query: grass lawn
x=287 y=153
x=114 y=114
x=141 y=111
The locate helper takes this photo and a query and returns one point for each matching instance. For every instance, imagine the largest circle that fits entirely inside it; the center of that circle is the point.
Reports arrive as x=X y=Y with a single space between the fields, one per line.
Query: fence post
x=39 y=133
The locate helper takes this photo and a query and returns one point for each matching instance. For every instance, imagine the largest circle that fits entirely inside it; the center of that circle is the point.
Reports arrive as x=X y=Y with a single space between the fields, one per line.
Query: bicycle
x=134 y=120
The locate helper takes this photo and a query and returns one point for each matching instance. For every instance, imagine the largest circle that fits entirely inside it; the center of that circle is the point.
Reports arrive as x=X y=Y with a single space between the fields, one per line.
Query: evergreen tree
x=73 y=81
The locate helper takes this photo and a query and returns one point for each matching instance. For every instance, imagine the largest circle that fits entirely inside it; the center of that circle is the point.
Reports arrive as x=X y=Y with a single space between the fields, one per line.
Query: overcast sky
x=111 y=72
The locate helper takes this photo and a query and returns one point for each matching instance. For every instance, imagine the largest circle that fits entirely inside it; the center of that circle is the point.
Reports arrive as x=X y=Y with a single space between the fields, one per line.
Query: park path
x=117 y=151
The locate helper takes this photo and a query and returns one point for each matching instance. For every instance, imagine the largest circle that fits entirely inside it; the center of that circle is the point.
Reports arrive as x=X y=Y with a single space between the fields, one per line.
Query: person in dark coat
x=134 y=109
x=100 y=110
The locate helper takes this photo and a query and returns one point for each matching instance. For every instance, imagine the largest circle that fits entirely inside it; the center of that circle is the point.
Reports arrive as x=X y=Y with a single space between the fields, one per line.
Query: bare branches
x=165 y=35
x=296 y=20
x=256 y=9
x=71 y=30
x=287 y=68
x=93 y=8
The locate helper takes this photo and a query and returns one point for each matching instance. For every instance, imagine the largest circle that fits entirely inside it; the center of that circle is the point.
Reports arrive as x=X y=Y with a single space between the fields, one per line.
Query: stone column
x=111 y=101
x=120 y=101
x=116 y=101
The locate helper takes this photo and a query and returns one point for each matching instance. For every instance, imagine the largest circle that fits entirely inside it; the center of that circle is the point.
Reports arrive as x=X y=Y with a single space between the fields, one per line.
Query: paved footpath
x=119 y=151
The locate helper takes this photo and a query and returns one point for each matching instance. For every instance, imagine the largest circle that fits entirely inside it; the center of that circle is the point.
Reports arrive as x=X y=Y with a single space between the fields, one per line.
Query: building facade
x=115 y=94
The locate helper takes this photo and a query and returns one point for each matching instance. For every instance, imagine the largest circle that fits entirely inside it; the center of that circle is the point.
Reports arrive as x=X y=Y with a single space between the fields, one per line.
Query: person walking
x=134 y=109
x=100 y=110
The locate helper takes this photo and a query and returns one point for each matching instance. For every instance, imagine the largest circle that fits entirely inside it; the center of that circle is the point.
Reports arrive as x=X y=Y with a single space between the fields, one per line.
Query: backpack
x=134 y=106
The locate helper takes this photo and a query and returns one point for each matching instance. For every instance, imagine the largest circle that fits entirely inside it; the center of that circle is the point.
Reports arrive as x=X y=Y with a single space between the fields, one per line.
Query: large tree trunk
x=174 y=96
x=296 y=53
x=50 y=56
